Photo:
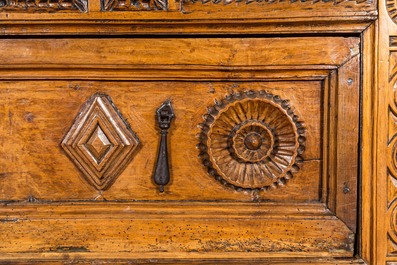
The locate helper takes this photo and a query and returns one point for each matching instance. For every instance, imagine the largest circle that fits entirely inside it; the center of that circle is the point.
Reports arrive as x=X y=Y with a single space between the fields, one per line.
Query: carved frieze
x=252 y=140
x=227 y=2
x=44 y=5
x=126 y=5
x=100 y=142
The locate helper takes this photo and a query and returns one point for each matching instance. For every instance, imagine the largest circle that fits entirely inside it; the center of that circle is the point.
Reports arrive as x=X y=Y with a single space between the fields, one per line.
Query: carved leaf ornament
x=252 y=140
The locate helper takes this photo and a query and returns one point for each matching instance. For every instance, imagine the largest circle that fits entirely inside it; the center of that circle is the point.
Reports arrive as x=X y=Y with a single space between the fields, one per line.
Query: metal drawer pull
x=162 y=172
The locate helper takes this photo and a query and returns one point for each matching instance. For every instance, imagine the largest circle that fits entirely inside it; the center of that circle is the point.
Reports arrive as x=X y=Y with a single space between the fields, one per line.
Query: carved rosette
x=252 y=140
x=100 y=142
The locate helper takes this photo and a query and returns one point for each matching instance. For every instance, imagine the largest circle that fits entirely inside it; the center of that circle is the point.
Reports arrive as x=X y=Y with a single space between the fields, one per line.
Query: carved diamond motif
x=100 y=142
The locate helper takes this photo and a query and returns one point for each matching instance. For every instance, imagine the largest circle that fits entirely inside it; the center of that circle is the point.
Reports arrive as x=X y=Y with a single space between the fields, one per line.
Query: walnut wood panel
x=205 y=230
x=367 y=194
x=153 y=17
x=347 y=154
x=24 y=118
x=312 y=217
x=184 y=54
x=232 y=60
x=131 y=238
x=273 y=7
x=177 y=25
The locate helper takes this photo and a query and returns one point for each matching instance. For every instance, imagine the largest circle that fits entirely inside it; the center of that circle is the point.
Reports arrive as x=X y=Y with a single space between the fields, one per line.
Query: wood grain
x=49 y=213
x=166 y=238
x=181 y=53
x=24 y=118
x=347 y=154
x=235 y=261
x=150 y=17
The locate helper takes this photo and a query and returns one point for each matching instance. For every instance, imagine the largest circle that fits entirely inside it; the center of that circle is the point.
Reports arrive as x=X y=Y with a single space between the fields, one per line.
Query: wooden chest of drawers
x=201 y=132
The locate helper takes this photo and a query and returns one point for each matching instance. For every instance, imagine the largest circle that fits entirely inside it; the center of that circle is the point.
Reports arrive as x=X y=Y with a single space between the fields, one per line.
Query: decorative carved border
x=131 y=5
x=227 y=2
x=43 y=5
x=392 y=150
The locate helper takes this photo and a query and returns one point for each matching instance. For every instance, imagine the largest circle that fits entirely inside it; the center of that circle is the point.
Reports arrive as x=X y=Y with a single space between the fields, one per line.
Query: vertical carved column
x=387 y=180
x=392 y=150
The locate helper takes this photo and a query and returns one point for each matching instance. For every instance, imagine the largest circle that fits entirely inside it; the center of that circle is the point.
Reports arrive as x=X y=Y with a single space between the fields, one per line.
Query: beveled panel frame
x=338 y=77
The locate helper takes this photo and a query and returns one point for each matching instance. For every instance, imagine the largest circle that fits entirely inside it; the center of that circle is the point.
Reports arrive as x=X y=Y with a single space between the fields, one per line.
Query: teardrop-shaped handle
x=164 y=114
x=162 y=172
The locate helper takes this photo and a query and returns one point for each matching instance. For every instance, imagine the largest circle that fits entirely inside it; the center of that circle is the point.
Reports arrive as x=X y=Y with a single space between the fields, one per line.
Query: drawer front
x=262 y=149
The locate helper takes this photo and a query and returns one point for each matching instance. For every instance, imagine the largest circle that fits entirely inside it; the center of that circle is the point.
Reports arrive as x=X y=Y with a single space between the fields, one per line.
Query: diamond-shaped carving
x=100 y=142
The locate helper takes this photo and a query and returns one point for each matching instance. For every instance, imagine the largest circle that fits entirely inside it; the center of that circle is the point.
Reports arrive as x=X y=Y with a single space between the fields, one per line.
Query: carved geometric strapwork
x=100 y=142
x=44 y=5
x=392 y=150
x=392 y=231
x=252 y=140
x=227 y=2
x=130 y=5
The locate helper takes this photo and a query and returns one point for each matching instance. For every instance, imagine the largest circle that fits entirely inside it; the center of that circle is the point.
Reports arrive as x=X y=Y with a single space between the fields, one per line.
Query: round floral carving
x=252 y=140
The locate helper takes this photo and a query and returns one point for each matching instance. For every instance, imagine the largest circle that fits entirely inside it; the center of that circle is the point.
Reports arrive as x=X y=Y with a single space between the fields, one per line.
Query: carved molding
x=227 y=2
x=126 y=5
x=252 y=140
x=48 y=5
x=100 y=142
